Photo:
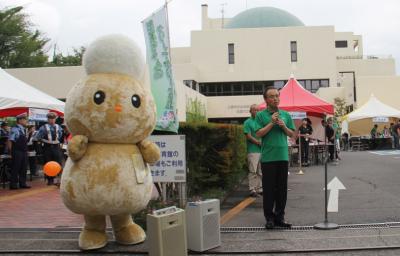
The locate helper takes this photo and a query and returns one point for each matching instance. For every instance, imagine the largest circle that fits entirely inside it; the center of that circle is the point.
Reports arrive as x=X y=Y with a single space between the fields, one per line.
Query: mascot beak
x=118 y=108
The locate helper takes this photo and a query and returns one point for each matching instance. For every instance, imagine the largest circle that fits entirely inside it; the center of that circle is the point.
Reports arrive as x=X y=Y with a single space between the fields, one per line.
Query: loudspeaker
x=203 y=228
x=166 y=230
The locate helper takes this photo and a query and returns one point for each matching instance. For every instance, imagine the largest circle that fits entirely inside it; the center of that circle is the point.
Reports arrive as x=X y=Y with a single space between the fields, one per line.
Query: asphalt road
x=372 y=192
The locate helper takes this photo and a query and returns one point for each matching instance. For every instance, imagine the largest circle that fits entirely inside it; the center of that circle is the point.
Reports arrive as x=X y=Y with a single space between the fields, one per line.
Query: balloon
x=52 y=168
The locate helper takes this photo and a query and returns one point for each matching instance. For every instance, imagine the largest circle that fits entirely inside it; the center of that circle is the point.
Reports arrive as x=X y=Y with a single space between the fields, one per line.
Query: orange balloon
x=52 y=168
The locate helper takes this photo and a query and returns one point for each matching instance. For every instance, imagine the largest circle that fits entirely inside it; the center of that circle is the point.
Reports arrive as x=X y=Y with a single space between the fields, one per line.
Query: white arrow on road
x=334 y=186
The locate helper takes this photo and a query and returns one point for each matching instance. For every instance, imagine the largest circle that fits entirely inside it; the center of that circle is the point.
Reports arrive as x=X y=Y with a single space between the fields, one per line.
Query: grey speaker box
x=203 y=225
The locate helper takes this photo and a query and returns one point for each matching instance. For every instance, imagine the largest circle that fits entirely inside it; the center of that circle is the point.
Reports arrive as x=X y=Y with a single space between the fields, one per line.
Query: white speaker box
x=203 y=228
x=166 y=231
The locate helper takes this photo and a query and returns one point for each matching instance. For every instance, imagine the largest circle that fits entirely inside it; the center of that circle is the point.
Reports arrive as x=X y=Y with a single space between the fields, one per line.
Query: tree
x=69 y=60
x=340 y=107
x=195 y=111
x=20 y=45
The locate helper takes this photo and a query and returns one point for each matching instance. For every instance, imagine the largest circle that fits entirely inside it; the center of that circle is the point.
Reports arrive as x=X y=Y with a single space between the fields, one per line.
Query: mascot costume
x=110 y=112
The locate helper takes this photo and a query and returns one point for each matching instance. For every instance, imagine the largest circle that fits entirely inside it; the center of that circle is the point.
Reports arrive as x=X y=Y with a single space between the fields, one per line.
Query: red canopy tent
x=294 y=98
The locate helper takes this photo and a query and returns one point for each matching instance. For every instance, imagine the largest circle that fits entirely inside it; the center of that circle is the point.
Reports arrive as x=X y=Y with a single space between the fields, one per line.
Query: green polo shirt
x=274 y=144
x=336 y=127
x=249 y=127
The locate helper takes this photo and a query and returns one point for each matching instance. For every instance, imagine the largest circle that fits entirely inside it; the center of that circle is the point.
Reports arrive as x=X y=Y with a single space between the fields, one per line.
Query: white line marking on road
x=334 y=186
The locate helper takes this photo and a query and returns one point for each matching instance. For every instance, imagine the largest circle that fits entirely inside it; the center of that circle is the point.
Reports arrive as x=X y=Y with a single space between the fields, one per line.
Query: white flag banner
x=158 y=58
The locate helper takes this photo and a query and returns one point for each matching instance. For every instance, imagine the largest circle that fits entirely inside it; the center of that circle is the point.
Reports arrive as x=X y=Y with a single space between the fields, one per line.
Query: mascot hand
x=150 y=151
x=77 y=147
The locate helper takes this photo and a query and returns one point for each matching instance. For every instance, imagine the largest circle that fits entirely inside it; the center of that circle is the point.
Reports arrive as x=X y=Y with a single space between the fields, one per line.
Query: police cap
x=22 y=116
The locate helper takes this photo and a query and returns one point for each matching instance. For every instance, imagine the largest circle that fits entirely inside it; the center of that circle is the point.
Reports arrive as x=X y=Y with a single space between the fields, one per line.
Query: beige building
x=229 y=62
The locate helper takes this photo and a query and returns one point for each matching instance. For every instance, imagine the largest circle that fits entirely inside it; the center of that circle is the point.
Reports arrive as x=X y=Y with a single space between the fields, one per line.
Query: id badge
x=141 y=169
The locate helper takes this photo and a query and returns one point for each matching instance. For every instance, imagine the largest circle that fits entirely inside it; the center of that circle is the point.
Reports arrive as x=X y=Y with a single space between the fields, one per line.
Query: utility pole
x=222 y=14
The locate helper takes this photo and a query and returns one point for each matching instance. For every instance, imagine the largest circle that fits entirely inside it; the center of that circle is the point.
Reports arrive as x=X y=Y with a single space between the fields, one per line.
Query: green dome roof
x=262 y=17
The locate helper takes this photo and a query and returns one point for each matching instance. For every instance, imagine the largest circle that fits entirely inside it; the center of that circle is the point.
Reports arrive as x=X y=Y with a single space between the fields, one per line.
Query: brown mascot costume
x=110 y=112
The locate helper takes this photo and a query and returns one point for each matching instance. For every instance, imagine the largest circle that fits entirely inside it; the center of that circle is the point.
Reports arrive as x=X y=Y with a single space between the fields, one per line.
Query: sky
x=75 y=23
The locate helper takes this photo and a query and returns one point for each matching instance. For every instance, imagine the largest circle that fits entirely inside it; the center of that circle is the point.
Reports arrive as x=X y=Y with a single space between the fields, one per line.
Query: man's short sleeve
x=259 y=122
x=246 y=127
x=13 y=134
x=41 y=133
x=290 y=123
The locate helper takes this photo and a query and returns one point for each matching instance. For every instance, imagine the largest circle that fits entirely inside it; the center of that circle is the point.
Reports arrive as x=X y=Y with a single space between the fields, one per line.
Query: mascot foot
x=92 y=239
x=131 y=234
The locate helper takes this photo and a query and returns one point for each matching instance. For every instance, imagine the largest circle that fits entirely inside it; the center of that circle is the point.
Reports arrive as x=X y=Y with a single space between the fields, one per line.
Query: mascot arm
x=77 y=147
x=150 y=151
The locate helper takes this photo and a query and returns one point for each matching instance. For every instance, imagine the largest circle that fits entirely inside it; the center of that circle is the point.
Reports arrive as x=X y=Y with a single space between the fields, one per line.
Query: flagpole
x=169 y=39
x=169 y=43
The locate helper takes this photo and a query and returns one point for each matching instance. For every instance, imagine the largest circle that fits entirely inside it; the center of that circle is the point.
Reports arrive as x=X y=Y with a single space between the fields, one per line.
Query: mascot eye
x=99 y=97
x=136 y=101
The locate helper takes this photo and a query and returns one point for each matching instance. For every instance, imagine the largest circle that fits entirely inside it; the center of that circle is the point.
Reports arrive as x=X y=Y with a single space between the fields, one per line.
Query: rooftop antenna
x=222 y=14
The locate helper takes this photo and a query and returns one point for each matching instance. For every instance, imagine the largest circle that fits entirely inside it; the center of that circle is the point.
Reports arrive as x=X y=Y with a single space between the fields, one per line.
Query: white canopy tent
x=17 y=96
x=361 y=121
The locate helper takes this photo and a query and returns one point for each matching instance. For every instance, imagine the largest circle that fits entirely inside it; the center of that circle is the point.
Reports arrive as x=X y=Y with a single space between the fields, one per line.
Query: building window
x=258 y=88
x=231 y=53
x=248 y=89
x=279 y=84
x=293 y=51
x=312 y=85
x=255 y=87
x=341 y=44
x=191 y=84
x=237 y=89
x=203 y=89
x=324 y=83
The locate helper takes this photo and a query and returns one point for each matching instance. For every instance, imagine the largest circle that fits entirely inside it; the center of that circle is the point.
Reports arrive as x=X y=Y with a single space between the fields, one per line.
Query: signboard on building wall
x=37 y=114
x=172 y=165
x=298 y=115
x=380 y=119
x=239 y=109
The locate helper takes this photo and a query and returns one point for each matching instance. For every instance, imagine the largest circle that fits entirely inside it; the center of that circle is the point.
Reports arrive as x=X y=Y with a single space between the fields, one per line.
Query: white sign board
x=37 y=114
x=298 y=115
x=172 y=164
x=380 y=119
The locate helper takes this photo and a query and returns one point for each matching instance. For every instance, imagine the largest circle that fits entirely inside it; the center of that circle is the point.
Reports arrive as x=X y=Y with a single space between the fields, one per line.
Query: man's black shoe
x=13 y=187
x=253 y=194
x=25 y=186
x=269 y=224
x=283 y=224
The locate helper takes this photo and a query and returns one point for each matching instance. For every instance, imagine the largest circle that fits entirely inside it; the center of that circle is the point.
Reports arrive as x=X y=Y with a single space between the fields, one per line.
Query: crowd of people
x=22 y=145
x=392 y=132
x=267 y=134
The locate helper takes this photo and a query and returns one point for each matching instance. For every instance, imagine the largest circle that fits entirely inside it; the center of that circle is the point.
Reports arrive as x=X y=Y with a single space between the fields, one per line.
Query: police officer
x=19 y=152
x=4 y=134
x=51 y=134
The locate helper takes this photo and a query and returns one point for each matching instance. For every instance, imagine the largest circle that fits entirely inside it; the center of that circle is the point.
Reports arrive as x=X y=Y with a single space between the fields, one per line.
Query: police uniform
x=19 y=153
x=51 y=136
x=4 y=134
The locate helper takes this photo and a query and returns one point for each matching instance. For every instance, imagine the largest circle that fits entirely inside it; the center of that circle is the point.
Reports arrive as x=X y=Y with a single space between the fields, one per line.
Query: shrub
x=215 y=156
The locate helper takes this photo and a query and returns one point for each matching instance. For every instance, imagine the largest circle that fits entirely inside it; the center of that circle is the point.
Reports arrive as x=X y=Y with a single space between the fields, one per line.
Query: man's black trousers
x=19 y=166
x=52 y=152
x=274 y=182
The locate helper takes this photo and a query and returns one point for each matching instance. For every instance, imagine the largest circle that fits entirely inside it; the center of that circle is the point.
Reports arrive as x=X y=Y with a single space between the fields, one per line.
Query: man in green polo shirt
x=253 y=153
x=273 y=127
